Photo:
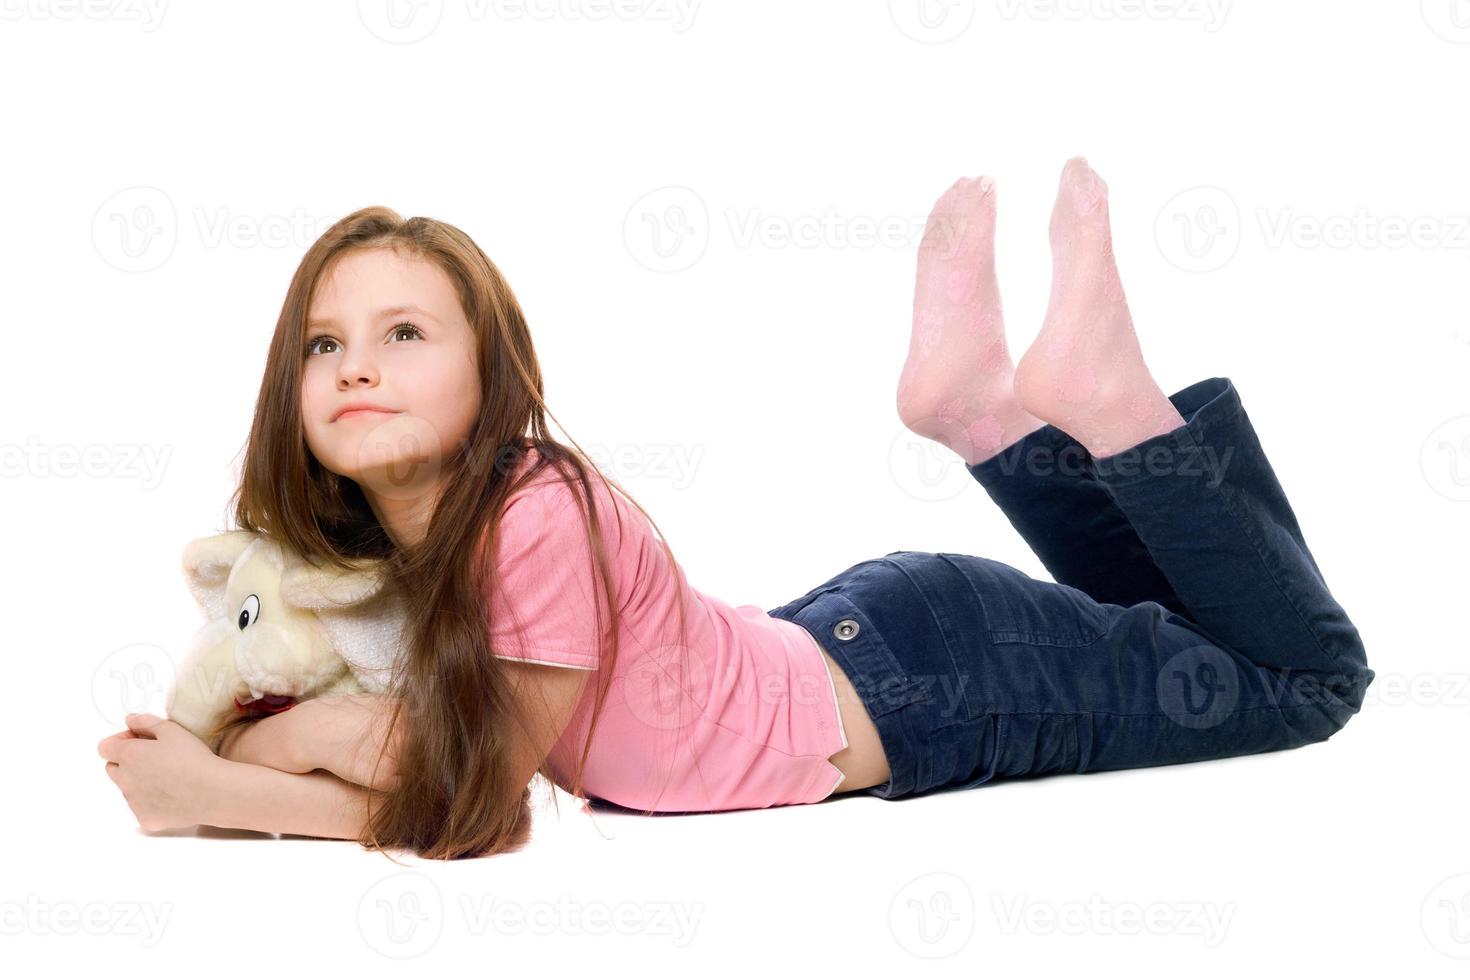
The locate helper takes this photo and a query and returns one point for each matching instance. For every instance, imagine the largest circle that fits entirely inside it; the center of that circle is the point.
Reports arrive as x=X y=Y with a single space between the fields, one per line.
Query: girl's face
x=386 y=330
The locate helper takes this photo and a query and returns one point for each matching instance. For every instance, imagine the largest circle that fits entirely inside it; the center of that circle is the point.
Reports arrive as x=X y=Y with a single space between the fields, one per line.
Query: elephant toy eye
x=249 y=611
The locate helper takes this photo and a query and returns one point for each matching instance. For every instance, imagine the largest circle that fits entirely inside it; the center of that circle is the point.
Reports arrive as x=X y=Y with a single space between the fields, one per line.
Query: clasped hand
x=168 y=776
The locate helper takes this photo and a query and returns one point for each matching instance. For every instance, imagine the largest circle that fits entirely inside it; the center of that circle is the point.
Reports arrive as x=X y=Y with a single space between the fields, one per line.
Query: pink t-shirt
x=744 y=716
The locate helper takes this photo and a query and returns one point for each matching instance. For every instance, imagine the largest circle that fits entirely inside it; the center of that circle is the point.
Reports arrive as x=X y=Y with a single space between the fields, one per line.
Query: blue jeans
x=1188 y=620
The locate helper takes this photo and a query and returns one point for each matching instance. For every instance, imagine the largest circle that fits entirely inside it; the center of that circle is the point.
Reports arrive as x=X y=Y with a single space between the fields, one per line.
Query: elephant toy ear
x=312 y=587
x=365 y=620
x=207 y=564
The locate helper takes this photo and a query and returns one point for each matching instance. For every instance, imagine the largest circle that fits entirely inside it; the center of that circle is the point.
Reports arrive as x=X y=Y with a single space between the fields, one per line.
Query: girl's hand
x=168 y=776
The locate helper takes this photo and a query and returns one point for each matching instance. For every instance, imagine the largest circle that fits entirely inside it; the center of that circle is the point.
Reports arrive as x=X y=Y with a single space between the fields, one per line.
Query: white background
x=1290 y=210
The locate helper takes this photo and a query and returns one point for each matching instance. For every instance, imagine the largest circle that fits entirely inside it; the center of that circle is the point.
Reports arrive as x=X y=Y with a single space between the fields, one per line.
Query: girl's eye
x=312 y=348
x=400 y=327
x=311 y=345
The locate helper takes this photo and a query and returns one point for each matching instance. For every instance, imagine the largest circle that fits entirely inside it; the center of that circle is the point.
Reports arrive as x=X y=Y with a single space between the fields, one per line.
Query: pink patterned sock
x=1084 y=372
x=955 y=387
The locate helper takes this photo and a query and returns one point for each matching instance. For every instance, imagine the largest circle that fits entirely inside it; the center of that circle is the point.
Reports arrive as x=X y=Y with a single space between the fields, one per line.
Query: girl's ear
x=207 y=564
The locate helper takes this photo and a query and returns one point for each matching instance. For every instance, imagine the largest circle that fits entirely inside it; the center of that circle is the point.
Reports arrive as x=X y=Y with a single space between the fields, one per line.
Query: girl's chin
x=398 y=479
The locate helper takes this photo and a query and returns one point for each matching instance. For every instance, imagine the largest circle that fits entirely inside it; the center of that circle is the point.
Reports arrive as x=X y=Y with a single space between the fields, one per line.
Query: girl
x=401 y=418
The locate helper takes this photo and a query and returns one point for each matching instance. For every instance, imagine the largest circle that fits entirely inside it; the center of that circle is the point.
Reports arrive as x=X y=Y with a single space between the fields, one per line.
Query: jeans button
x=846 y=629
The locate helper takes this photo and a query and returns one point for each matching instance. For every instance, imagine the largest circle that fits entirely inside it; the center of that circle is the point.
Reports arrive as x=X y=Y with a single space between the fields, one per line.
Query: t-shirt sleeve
x=544 y=609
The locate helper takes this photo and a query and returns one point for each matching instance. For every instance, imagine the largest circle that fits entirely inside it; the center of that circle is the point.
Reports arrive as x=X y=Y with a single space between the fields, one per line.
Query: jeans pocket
x=1021 y=609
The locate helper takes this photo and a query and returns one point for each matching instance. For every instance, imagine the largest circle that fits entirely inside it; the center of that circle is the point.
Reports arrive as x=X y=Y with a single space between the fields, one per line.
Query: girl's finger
x=143 y=722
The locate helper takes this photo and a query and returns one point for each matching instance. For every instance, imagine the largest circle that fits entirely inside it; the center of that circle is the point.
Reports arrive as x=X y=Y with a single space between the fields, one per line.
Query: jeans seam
x=1250 y=536
x=1122 y=714
x=933 y=614
x=1018 y=635
x=942 y=622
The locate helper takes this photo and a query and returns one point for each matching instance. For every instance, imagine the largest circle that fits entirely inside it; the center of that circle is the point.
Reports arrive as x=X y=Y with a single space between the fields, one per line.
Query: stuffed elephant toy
x=279 y=631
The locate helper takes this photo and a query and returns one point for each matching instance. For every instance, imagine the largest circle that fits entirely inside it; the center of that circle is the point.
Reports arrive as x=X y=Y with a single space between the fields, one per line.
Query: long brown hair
x=454 y=794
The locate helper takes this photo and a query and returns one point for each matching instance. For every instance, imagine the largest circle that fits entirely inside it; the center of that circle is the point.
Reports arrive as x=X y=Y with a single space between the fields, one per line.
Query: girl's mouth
x=271 y=704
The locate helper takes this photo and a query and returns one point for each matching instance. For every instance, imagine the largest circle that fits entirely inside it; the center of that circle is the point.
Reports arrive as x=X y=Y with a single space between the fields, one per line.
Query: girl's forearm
x=312 y=804
x=272 y=741
x=342 y=734
x=345 y=733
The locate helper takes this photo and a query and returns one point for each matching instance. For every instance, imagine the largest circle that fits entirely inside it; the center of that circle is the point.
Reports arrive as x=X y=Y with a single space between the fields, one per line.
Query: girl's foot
x=1084 y=372
x=956 y=382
